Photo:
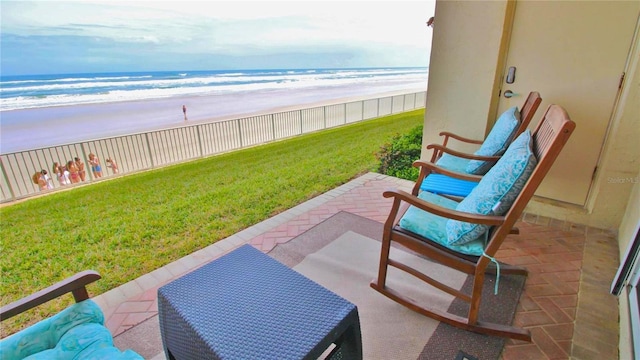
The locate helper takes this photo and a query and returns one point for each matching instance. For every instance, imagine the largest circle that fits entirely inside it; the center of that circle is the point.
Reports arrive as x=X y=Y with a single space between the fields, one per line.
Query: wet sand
x=37 y=128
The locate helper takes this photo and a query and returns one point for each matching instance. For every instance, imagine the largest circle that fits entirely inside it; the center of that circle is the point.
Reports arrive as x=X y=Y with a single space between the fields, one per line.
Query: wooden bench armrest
x=75 y=284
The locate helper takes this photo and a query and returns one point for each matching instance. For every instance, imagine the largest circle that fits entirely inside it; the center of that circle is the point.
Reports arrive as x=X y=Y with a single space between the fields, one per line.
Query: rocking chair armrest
x=75 y=284
x=448 y=135
x=430 y=167
x=437 y=148
x=400 y=195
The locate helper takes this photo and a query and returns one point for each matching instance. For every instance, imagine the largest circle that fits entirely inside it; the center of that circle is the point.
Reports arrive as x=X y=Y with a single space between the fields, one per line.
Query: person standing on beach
x=57 y=170
x=95 y=166
x=45 y=181
x=112 y=164
x=73 y=172
x=61 y=173
x=81 y=171
x=184 y=111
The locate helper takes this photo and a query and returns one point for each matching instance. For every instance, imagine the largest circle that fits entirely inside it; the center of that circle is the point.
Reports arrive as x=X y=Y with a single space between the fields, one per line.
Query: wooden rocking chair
x=425 y=224
x=453 y=177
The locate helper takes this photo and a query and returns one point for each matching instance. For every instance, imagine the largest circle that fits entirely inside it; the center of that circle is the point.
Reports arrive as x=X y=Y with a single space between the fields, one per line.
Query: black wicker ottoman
x=246 y=305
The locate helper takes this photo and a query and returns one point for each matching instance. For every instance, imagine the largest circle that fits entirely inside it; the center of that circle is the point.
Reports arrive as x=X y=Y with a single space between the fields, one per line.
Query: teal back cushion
x=497 y=190
x=453 y=163
x=496 y=142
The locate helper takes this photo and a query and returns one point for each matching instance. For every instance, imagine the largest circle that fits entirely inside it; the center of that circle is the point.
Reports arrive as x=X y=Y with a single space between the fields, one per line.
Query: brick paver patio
x=569 y=314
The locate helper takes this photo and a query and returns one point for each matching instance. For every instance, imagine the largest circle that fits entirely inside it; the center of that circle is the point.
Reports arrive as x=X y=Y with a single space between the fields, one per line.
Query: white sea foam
x=104 y=89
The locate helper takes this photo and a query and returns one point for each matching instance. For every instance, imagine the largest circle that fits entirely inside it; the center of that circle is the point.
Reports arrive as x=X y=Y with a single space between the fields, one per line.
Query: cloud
x=155 y=33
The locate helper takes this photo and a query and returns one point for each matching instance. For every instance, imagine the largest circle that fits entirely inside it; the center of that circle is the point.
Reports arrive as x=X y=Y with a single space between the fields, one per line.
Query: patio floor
x=566 y=302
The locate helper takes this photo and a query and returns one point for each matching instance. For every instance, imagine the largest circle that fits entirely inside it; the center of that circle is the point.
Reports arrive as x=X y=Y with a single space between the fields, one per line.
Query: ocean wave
x=102 y=89
x=72 y=79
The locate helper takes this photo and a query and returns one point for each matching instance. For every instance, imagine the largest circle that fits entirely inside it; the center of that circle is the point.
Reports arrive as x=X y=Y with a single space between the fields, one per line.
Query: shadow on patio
x=565 y=303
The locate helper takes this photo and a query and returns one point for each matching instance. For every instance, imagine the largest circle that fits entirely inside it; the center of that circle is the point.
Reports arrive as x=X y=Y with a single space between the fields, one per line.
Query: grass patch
x=129 y=226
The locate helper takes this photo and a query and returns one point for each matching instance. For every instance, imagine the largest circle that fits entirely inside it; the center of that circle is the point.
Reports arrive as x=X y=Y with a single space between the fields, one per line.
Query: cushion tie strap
x=493 y=260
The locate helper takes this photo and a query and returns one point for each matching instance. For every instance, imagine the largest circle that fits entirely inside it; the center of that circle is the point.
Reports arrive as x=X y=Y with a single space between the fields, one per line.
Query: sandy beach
x=38 y=128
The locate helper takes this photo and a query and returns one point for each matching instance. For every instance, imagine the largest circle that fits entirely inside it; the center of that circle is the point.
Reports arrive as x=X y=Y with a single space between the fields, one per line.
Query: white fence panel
x=335 y=115
x=147 y=150
x=287 y=124
x=370 y=109
x=384 y=106
x=354 y=111
x=313 y=120
x=397 y=105
x=256 y=130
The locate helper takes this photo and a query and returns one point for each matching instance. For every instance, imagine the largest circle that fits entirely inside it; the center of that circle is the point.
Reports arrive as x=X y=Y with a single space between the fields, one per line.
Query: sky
x=57 y=37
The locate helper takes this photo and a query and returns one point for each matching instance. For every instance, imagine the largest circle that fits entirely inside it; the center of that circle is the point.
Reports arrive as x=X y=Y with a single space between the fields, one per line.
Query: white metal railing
x=143 y=151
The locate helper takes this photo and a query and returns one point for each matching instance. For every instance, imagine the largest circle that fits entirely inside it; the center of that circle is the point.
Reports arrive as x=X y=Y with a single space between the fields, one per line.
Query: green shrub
x=396 y=158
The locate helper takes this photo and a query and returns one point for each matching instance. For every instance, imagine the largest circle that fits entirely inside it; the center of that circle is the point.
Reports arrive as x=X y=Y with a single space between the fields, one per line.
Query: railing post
x=324 y=115
x=344 y=121
x=84 y=159
x=240 y=133
x=301 y=122
x=146 y=135
x=273 y=128
x=199 y=140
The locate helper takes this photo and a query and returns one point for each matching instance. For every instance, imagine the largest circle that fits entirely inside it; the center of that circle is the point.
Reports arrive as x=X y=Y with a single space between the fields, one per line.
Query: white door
x=574 y=54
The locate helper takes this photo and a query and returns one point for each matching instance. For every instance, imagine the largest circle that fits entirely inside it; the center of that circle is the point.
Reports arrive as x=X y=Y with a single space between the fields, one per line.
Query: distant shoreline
x=52 y=126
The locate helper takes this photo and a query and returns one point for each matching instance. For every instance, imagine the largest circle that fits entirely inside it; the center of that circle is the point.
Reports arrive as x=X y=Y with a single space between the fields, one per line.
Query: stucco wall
x=466 y=59
x=463 y=72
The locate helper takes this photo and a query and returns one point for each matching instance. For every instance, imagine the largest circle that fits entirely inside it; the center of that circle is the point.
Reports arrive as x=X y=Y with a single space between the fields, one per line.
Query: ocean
x=36 y=91
x=47 y=110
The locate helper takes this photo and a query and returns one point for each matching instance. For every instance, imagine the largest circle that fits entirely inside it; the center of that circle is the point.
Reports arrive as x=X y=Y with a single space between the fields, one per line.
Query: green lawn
x=132 y=225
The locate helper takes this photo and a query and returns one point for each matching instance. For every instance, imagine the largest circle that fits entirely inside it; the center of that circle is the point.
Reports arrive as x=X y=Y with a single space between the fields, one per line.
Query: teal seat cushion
x=433 y=227
x=453 y=163
x=496 y=142
x=76 y=332
x=497 y=190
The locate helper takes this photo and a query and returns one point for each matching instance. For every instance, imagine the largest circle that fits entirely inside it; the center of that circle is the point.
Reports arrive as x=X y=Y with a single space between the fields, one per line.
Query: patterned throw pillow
x=497 y=190
x=496 y=142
